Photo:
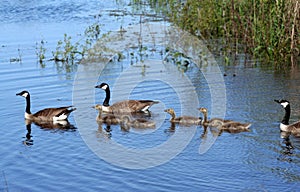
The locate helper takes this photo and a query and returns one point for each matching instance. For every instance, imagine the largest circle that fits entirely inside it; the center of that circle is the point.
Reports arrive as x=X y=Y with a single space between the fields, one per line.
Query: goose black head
x=103 y=86
x=284 y=103
x=23 y=94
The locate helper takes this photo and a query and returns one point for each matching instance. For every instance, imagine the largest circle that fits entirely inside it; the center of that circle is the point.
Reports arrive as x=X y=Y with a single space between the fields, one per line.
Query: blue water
x=62 y=160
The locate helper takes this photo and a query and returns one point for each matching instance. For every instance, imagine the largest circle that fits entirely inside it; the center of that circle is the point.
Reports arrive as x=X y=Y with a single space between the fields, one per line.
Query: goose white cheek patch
x=104 y=87
x=25 y=95
x=284 y=104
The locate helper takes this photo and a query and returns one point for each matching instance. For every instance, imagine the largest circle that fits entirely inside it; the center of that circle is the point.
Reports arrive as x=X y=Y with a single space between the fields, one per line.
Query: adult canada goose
x=207 y=122
x=125 y=106
x=284 y=125
x=231 y=126
x=183 y=119
x=108 y=118
x=48 y=114
x=137 y=123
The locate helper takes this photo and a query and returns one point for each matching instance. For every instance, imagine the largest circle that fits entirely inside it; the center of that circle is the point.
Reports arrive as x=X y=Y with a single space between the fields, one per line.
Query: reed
x=265 y=29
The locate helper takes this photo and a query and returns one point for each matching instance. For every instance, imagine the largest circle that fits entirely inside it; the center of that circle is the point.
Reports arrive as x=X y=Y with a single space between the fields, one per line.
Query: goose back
x=125 y=106
x=129 y=106
x=61 y=113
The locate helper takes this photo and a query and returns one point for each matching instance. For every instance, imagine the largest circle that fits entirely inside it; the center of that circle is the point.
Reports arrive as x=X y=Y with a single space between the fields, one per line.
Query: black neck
x=107 y=97
x=287 y=114
x=28 y=104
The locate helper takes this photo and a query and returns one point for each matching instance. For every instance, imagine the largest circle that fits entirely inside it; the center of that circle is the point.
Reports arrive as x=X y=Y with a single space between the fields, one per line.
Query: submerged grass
x=265 y=29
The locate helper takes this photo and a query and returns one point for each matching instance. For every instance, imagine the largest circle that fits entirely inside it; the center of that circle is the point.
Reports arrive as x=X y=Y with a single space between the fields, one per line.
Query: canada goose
x=125 y=106
x=231 y=126
x=48 y=114
x=284 y=125
x=183 y=119
x=137 y=123
x=207 y=122
x=109 y=119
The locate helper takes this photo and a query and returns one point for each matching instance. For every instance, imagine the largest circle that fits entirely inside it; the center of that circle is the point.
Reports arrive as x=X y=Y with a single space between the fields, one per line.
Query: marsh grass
x=268 y=30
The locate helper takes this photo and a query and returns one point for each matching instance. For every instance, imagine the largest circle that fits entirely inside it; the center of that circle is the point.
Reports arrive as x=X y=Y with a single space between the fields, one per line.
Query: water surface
x=59 y=159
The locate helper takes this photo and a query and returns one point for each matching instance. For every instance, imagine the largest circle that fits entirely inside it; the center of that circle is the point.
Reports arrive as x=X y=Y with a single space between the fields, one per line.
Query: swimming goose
x=284 y=125
x=108 y=118
x=183 y=119
x=231 y=126
x=125 y=106
x=48 y=114
x=207 y=122
x=137 y=123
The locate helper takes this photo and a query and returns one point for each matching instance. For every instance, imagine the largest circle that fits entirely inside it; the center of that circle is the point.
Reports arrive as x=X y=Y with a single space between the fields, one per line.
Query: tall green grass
x=268 y=30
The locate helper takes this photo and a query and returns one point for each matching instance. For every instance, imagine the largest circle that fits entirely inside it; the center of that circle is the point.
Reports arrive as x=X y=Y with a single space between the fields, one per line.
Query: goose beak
x=166 y=110
x=277 y=101
x=97 y=86
x=19 y=94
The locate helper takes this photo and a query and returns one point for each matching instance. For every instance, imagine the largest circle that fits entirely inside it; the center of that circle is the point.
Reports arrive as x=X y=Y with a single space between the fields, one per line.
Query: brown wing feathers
x=132 y=105
x=51 y=112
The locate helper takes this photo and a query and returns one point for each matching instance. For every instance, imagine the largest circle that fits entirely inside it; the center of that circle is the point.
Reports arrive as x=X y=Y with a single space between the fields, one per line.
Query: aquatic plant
x=40 y=52
x=66 y=50
x=267 y=30
x=18 y=58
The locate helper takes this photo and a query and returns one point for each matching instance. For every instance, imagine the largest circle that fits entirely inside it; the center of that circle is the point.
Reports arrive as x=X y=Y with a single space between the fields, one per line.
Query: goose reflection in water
x=287 y=147
x=171 y=129
x=104 y=133
x=28 y=141
x=56 y=126
x=60 y=126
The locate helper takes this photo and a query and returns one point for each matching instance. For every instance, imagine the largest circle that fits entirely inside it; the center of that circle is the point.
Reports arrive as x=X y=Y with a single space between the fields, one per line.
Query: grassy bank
x=268 y=30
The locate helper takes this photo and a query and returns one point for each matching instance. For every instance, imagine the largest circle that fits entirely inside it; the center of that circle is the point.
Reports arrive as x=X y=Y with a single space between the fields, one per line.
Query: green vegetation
x=40 y=51
x=268 y=30
x=66 y=51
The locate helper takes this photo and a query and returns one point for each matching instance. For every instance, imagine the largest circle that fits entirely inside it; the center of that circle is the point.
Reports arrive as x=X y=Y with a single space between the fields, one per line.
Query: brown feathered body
x=231 y=126
x=52 y=114
x=129 y=106
x=223 y=124
x=210 y=122
x=183 y=119
x=107 y=118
